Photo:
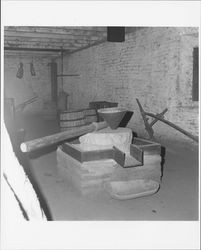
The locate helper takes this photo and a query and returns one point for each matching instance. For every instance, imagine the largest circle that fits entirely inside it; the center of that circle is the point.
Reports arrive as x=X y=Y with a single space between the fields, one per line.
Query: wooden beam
x=50 y=35
x=44 y=39
x=86 y=47
x=67 y=75
x=54 y=87
x=44 y=45
x=62 y=136
x=32 y=49
x=58 y=30
x=83 y=48
x=28 y=54
x=74 y=43
x=161 y=115
x=33 y=55
x=149 y=129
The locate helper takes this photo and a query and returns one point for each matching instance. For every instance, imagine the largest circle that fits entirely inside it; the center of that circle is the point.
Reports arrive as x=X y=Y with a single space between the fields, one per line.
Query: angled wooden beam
x=146 y=123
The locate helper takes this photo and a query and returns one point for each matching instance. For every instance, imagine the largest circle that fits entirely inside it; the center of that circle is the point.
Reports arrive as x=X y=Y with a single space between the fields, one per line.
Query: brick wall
x=29 y=86
x=153 y=65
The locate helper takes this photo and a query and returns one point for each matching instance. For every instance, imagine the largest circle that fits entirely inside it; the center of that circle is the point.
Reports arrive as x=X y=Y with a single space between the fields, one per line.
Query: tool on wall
x=20 y=71
x=160 y=117
x=32 y=70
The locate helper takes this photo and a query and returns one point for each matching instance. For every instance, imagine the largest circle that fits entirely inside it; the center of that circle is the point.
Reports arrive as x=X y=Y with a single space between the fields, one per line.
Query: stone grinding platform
x=90 y=176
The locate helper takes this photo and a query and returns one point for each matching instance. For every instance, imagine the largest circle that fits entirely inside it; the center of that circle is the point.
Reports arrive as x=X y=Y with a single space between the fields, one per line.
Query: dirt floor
x=177 y=198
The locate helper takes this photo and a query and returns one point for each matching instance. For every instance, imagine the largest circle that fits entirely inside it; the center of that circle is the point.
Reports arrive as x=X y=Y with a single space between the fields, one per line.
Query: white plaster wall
x=153 y=65
x=29 y=86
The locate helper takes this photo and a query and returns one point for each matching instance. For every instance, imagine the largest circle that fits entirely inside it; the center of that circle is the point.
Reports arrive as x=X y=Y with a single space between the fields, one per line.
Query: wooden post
x=53 y=72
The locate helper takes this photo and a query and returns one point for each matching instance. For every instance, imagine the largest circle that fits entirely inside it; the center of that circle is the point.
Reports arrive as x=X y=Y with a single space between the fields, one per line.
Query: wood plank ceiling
x=50 y=40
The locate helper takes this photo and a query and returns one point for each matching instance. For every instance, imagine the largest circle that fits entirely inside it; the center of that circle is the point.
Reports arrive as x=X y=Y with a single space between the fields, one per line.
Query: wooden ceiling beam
x=42 y=47
x=87 y=28
x=51 y=35
x=32 y=54
x=58 y=30
x=88 y=46
x=38 y=42
x=45 y=45
x=82 y=48
x=42 y=39
x=32 y=49
x=22 y=52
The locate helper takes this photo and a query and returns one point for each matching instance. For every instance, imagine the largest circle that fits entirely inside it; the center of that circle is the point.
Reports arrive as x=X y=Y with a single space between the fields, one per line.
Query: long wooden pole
x=59 y=137
x=195 y=138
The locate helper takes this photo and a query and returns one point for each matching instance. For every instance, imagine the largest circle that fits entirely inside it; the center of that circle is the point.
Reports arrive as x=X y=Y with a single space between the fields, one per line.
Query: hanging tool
x=32 y=70
x=20 y=71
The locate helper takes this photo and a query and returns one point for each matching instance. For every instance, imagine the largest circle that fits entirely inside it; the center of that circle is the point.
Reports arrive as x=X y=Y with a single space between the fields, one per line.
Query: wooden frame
x=136 y=151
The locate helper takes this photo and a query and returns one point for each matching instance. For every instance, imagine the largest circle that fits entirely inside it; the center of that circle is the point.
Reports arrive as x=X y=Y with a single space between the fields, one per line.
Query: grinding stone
x=107 y=138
